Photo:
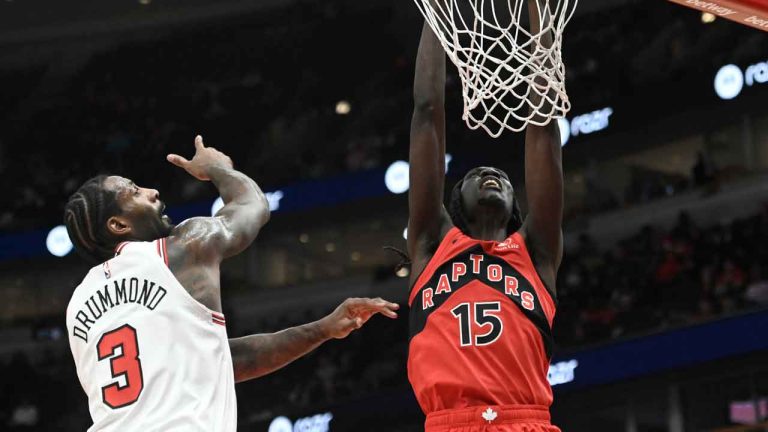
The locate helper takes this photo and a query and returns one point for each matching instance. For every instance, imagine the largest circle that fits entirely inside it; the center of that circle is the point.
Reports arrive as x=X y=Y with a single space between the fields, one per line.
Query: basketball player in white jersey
x=145 y=326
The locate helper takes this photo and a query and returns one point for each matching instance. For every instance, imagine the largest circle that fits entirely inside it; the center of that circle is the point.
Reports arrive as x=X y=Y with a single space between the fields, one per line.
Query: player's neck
x=488 y=226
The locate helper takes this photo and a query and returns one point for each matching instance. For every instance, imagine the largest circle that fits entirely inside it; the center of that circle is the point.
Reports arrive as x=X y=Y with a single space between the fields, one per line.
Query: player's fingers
x=380 y=302
x=199 y=143
x=383 y=309
x=388 y=304
x=177 y=160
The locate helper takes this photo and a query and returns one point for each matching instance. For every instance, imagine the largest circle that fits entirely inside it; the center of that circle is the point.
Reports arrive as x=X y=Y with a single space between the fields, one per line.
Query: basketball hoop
x=509 y=78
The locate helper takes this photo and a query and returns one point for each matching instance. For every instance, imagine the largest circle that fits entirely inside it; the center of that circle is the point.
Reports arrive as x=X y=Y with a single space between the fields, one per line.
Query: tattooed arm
x=260 y=354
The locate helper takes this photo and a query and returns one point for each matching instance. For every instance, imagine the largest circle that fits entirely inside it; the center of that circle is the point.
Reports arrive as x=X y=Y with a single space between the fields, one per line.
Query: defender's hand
x=204 y=159
x=353 y=313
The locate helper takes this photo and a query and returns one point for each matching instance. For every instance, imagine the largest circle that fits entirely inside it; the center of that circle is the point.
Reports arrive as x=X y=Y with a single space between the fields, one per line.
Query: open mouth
x=490 y=182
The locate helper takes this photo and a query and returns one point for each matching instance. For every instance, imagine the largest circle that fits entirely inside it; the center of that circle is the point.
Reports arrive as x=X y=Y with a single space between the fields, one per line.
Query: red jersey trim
x=162 y=250
x=120 y=247
x=165 y=251
x=218 y=318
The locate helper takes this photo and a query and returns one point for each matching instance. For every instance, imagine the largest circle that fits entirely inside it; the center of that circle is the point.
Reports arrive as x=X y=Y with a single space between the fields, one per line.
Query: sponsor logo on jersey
x=507 y=244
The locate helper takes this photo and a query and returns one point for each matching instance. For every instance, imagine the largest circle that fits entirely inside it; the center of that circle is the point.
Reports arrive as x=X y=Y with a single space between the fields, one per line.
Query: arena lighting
x=584 y=124
x=330 y=247
x=562 y=372
x=730 y=79
x=145 y=2
x=405 y=233
x=707 y=18
x=273 y=198
x=729 y=82
x=315 y=423
x=304 y=238
x=396 y=176
x=343 y=107
x=58 y=242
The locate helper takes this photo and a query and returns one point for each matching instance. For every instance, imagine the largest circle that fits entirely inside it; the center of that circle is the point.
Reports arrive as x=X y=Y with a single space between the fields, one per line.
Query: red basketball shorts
x=499 y=418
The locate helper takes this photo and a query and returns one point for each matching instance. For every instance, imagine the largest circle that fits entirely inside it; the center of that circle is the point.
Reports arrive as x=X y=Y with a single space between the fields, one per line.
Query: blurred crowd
x=658 y=279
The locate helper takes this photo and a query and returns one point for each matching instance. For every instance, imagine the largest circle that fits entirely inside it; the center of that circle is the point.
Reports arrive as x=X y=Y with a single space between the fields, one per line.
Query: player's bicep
x=206 y=239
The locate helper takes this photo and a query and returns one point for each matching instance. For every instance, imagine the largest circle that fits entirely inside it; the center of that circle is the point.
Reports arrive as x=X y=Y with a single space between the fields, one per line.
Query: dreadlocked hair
x=85 y=216
x=459 y=218
x=405 y=260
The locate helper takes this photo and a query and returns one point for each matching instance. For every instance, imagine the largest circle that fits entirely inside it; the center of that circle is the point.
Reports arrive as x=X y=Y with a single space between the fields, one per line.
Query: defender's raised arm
x=245 y=209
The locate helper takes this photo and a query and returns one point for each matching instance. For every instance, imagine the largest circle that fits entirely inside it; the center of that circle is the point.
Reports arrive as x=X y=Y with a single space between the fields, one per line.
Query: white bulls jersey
x=148 y=355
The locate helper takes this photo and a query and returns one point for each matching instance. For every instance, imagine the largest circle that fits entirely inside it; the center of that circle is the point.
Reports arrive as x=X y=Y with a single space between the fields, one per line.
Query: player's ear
x=118 y=226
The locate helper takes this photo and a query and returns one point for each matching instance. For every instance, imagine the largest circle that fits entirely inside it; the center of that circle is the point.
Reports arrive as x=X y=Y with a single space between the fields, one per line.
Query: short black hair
x=85 y=216
x=459 y=217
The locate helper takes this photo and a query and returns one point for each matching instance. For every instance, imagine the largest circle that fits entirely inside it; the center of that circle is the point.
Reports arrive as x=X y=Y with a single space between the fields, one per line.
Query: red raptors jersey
x=480 y=326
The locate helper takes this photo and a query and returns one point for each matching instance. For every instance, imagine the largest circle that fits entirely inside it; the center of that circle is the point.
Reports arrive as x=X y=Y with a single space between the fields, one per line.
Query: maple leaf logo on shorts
x=489 y=414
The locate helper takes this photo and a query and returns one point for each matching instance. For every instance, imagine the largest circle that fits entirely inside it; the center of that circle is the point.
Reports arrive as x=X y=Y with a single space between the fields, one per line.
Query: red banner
x=753 y=13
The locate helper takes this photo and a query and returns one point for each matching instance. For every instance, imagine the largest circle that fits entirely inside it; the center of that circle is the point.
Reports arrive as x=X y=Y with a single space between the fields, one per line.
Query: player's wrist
x=325 y=328
x=216 y=167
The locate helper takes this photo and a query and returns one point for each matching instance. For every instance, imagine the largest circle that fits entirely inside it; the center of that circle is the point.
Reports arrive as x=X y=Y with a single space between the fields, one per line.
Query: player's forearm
x=429 y=81
x=258 y=355
x=546 y=42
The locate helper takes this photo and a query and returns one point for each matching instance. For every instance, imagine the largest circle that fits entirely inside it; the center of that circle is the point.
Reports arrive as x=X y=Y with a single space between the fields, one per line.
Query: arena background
x=664 y=286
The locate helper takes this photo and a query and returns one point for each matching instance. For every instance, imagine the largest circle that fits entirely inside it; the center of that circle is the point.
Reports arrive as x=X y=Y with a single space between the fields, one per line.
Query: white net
x=510 y=77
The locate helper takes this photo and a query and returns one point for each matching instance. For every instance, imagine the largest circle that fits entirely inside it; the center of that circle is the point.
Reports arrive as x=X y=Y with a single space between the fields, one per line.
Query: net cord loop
x=509 y=79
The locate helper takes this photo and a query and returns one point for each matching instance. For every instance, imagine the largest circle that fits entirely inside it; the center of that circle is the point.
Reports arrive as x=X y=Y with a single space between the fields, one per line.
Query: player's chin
x=493 y=198
x=165 y=226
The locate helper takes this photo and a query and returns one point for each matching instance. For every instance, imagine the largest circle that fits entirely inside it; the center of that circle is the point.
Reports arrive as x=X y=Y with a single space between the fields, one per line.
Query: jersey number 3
x=485 y=314
x=125 y=364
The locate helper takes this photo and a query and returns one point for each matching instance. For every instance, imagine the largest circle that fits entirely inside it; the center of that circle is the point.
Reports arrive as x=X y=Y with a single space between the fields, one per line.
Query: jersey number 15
x=485 y=314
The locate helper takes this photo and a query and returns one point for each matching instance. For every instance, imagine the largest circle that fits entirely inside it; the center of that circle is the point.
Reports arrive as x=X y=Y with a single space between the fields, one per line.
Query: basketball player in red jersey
x=483 y=282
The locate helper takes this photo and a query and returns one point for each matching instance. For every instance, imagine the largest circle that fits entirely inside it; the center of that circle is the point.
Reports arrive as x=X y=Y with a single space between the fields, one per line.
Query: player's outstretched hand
x=204 y=159
x=354 y=312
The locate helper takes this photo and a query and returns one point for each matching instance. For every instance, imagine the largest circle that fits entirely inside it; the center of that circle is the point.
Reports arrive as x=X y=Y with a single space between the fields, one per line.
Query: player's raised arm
x=257 y=355
x=427 y=215
x=245 y=209
x=544 y=182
